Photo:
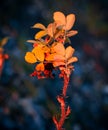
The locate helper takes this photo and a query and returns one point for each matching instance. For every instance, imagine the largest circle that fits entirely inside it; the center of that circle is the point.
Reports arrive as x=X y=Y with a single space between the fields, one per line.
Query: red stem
x=66 y=81
x=64 y=111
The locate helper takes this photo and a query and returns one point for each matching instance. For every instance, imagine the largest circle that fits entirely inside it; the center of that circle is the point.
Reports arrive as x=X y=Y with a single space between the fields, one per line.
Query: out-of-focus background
x=27 y=103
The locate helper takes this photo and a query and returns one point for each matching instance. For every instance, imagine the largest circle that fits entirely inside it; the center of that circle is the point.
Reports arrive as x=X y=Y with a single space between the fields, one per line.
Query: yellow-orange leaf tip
x=40 y=34
x=39 y=25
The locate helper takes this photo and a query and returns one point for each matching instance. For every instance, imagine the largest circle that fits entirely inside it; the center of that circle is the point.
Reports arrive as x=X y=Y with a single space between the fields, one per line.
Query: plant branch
x=65 y=111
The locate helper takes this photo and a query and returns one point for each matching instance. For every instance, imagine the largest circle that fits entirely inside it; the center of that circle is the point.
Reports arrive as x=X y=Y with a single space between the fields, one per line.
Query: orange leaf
x=49 y=57
x=30 y=57
x=71 y=60
x=31 y=41
x=40 y=67
x=59 y=49
x=70 y=19
x=39 y=53
x=51 y=29
x=59 y=17
x=69 y=52
x=40 y=34
x=56 y=63
x=39 y=25
x=71 y=33
x=46 y=49
x=58 y=57
x=4 y=41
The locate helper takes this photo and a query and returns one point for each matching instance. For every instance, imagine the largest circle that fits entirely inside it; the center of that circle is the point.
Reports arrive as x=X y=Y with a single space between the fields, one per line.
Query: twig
x=65 y=111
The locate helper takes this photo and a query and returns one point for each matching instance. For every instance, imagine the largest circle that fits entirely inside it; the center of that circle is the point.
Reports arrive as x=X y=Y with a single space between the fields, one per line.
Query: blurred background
x=27 y=103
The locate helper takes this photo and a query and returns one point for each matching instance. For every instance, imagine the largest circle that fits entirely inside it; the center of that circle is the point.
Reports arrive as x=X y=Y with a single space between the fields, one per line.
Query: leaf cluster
x=49 y=44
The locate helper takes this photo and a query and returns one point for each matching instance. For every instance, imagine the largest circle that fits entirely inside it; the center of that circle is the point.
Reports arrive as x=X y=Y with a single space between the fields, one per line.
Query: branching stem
x=65 y=111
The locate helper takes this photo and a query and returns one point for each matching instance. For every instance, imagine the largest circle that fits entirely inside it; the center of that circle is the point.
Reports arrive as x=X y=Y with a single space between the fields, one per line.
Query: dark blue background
x=27 y=103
